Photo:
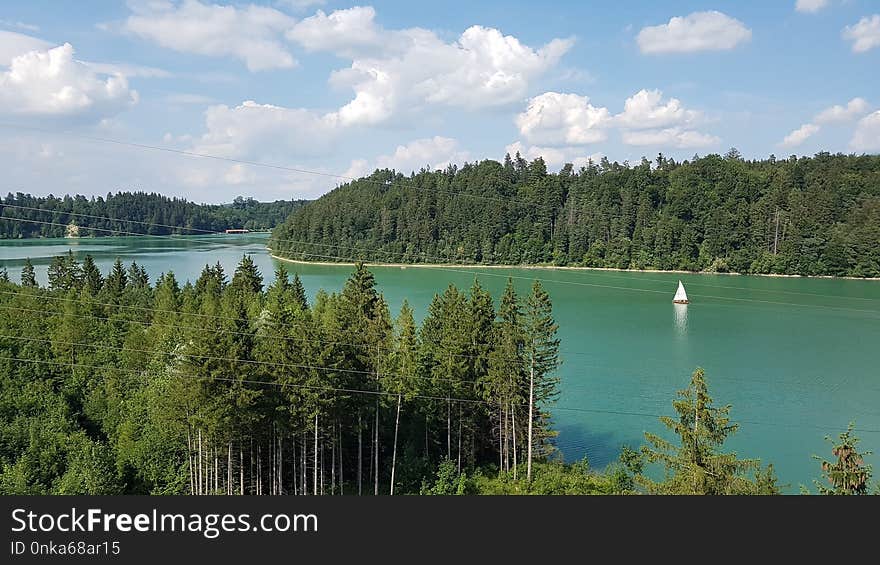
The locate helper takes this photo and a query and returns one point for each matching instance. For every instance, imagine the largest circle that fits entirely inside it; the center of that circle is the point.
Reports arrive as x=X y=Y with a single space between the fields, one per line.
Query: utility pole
x=376 y=426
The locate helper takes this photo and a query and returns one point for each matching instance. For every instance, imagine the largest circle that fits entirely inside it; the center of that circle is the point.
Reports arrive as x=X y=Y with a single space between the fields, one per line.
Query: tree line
x=29 y=216
x=799 y=216
x=112 y=385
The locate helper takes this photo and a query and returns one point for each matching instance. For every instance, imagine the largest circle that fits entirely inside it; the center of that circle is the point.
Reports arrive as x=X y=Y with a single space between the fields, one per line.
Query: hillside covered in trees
x=133 y=212
x=806 y=216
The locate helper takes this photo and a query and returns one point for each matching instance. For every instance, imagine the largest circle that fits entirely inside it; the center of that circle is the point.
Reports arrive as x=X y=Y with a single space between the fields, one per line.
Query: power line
x=256 y=163
x=486 y=272
x=372 y=373
x=394 y=394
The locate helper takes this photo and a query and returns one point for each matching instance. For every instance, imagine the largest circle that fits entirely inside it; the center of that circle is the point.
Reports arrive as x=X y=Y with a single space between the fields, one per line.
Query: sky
x=342 y=89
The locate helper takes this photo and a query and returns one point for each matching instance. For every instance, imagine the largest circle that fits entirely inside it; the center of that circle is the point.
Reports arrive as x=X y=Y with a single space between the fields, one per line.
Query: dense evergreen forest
x=111 y=384
x=806 y=216
x=133 y=212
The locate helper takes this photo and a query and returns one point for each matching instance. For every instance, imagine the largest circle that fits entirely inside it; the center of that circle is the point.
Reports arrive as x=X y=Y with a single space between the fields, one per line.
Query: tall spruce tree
x=697 y=464
x=847 y=474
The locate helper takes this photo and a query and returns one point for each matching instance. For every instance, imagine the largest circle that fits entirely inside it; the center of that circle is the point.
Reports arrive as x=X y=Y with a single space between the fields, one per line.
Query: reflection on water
x=681 y=318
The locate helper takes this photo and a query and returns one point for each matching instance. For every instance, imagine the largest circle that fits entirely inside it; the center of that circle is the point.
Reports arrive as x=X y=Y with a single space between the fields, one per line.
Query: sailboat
x=681 y=296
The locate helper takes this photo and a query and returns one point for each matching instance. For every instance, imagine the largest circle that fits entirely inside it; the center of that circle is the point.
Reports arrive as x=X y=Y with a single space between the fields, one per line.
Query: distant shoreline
x=558 y=268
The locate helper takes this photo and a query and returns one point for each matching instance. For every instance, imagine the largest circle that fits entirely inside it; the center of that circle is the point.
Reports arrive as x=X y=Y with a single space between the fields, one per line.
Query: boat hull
x=680 y=301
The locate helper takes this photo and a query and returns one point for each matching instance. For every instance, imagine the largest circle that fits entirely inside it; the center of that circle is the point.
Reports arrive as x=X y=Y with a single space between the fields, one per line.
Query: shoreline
x=557 y=268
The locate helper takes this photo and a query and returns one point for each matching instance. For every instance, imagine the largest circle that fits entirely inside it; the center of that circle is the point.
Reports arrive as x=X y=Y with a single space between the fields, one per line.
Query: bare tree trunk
x=341 y=479
x=376 y=450
x=315 y=470
x=448 y=428
x=394 y=450
x=240 y=468
x=189 y=456
x=360 y=455
x=459 y=438
x=500 y=442
x=200 y=462
x=513 y=425
x=333 y=460
x=229 y=467
x=531 y=418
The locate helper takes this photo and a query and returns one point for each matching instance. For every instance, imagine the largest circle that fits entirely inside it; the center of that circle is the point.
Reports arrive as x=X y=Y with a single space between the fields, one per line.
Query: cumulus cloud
x=52 y=83
x=250 y=129
x=841 y=114
x=646 y=109
x=700 y=31
x=865 y=35
x=810 y=6
x=867 y=134
x=345 y=32
x=669 y=137
x=836 y=114
x=413 y=68
x=14 y=44
x=250 y=33
x=554 y=156
x=432 y=153
x=800 y=135
x=563 y=119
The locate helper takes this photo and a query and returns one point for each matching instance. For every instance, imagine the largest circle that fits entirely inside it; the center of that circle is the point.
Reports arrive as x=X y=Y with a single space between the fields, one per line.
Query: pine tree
x=542 y=354
x=28 y=277
x=92 y=279
x=697 y=465
x=848 y=474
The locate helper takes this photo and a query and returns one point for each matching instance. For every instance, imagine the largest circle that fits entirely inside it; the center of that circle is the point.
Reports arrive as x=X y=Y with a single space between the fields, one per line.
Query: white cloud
x=836 y=114
x=700 y=31
x=646 y=109
x=840 y=114
x=250 y=33
x=554 y=156
x=52 y=83
x=670 y=137
x=413 y=68
x=14 y=44
x=810 y=6
x=563 y=119
x=345 y=32
x=252 y=129
x=800 y=135
x=865 y=35
x=867 y=134
x=433 y=152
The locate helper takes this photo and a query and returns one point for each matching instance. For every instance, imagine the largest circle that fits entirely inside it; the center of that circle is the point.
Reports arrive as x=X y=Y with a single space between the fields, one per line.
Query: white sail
x=681 y=296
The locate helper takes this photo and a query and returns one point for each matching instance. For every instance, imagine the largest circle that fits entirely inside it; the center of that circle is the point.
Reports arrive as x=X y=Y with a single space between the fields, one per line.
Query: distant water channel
x=797 y=358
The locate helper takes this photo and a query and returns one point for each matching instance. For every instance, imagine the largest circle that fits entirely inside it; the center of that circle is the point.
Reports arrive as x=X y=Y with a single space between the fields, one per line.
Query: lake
x=797 y=358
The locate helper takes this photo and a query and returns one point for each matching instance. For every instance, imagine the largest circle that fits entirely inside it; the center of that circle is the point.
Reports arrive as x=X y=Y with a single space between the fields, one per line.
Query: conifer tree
x=28 y=277
x=697 y=464
x=847 y=474
x=542 y=354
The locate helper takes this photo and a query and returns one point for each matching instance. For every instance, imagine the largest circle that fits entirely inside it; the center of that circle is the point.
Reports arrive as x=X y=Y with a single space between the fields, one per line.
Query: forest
x=126 y=213
x=798 y=216
x=111 y=384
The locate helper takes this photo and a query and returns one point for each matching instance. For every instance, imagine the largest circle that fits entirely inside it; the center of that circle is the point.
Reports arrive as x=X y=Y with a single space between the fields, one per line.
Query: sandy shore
x=550 y=268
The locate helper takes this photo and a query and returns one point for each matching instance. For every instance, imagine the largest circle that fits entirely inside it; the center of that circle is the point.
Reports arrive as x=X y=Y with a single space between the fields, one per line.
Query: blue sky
x=344 y=88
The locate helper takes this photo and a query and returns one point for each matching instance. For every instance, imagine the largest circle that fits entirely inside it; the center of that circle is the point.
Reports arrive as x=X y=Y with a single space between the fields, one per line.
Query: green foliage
x=847 y=474
x=135 y=212
x=808 y=216
x=697 y=464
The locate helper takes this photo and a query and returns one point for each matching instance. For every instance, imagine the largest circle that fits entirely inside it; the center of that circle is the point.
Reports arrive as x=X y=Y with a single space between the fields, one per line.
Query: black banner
x=412 y=529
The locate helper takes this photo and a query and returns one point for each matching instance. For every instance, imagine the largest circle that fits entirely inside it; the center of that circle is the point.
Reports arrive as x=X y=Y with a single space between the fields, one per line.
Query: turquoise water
x=797 y=358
